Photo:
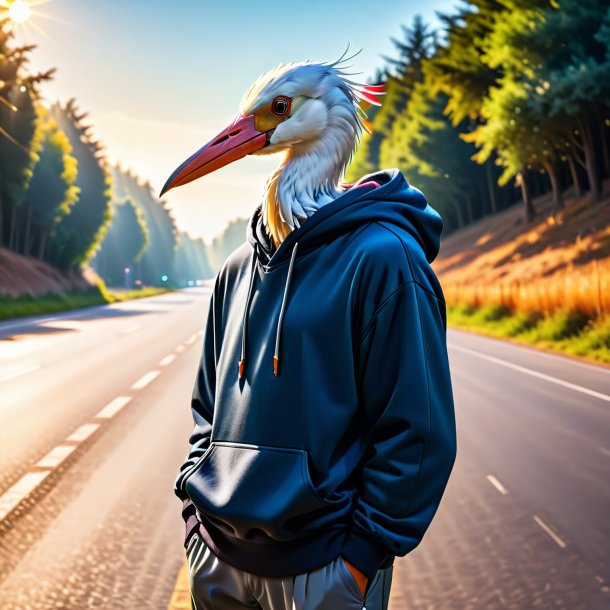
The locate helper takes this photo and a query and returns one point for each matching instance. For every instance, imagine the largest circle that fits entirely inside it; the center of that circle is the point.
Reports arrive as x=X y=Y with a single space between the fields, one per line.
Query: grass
x=571 y=332
x=25 y=305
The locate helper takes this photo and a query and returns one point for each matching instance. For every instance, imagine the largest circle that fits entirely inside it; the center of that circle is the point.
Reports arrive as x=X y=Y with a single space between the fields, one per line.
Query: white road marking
x=20 y=490
x=4 y=326
x=200 y=333
x=113 y=407
x=56 y=456
x=23 y=371
x=180 y=348
x=560 y=543
x=497 y=484
x=547 y=355
x=145 y=380
x=131 y=329
x=605 y=451
x=522 y=369
x=83 y=433
x=168 y=359
x=191 y=339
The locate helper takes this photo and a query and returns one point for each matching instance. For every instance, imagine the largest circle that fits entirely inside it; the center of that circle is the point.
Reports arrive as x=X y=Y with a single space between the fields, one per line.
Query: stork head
x=292 y=108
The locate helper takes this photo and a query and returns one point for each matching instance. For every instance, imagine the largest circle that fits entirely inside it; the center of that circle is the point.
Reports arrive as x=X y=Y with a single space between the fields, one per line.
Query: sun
x=19 y=11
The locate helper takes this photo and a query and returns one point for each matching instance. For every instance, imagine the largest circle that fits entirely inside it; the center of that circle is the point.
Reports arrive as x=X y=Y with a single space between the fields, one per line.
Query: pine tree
x=18 y=95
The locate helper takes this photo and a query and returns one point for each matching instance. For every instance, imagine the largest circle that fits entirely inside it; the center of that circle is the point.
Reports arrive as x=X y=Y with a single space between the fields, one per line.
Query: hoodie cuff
x=361 y=552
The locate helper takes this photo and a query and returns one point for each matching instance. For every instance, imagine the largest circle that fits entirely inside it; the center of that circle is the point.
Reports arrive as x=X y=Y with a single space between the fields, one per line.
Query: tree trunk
x=603 y=138
x=530 y=210
x=11 y=237
x=470 y=212
x=553 y=179
x=28 y=224
x=590 y=157
x=459 y=213
x=43 y=242
x=491 y=189
x=605 y=152
x=575 y=176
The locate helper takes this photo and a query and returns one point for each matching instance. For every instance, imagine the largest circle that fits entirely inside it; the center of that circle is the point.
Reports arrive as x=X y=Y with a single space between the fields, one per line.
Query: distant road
x=94 y=423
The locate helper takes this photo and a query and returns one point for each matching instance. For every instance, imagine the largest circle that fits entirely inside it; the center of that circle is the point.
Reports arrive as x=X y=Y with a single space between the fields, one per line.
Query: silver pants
x=216 y=585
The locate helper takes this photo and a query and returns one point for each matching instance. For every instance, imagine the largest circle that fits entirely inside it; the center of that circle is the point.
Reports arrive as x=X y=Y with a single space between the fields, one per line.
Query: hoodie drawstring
x=242 y=362
x=276 y=355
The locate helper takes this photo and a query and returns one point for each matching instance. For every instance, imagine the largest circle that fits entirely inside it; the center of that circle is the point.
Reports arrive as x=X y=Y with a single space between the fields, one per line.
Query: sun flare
x=19 y=11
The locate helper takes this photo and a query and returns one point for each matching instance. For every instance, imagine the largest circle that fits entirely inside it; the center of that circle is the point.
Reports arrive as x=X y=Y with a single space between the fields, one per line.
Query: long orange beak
x=239 y=139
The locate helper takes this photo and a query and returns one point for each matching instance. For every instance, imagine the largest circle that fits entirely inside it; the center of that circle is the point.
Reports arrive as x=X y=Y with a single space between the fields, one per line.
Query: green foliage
x=18 y=93
x=124 y=243
x=27 y=305
x=157 y=259
x=225 y=242
x=191 y=261
x=79 y=234
x=563 y=331
x=523 y=84
x=51 y=191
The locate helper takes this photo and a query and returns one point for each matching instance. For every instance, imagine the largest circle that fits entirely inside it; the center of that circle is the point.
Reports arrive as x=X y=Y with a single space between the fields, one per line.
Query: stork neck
x=307 y=179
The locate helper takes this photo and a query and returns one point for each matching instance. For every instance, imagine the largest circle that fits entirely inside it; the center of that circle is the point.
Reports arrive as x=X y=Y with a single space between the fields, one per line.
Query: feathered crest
x=363 y=95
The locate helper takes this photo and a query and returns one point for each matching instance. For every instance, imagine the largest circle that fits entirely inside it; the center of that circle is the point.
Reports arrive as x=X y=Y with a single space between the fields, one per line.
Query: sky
x=159 y=78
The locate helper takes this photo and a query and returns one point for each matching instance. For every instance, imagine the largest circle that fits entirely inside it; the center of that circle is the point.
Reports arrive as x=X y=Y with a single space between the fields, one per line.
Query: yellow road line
x=181 y=597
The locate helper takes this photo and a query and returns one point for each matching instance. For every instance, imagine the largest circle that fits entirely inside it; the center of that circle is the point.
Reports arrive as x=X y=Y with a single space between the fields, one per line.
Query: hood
x=381 y=196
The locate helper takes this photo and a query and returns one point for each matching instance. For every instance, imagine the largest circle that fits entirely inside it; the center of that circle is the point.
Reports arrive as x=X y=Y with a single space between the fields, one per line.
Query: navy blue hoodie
x=323 y=407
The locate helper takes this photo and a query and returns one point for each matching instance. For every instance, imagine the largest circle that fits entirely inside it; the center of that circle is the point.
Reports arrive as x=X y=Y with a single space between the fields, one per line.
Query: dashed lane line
x=558 y=541
x=83 y=433
x=56 y=456
x=20 y=490
x=113 y=407
x=526 y=371
x=167 y=360
x=131 y=329
x=497 y=484
x=145 y=380
x=19 y=372
x=192 y=339
x=11 y=498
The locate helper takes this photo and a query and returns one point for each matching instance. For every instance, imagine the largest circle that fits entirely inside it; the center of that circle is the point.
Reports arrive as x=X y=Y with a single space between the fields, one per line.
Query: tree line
x=507 y=100
x=63 y=203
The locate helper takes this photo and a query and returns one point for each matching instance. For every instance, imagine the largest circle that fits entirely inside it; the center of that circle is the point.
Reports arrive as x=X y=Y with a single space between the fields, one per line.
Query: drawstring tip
x=276 y=362
x=242 y=364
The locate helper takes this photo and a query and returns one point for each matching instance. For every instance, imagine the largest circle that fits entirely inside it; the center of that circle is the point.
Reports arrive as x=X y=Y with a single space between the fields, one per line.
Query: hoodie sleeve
x=202 y=408
x=405 y=389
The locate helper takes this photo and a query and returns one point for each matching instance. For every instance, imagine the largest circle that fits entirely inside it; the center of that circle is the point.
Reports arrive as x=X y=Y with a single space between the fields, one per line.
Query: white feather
x=319 y=140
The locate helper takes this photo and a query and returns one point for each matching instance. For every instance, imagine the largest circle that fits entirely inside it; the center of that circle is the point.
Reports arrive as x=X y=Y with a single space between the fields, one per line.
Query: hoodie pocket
x=248 y=489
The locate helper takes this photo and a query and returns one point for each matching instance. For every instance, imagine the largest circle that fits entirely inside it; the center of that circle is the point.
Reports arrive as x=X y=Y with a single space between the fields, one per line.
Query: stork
x=310 y=112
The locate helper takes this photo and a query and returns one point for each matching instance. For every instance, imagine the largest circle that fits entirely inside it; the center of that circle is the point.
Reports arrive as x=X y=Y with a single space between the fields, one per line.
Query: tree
x=18 y=94
x=574 y=79
x=158 y=258
x=124 y=243
x=51 y=191
x=79 y=234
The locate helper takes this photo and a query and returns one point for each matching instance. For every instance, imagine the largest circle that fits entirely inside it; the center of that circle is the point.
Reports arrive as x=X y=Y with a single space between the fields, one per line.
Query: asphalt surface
x=95 y=419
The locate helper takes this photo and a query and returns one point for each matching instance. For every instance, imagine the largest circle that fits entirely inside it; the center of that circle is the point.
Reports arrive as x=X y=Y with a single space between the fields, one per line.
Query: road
x=94 y=422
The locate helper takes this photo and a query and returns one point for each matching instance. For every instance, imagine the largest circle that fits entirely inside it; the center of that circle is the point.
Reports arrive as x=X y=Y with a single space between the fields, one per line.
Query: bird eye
x=281 y=105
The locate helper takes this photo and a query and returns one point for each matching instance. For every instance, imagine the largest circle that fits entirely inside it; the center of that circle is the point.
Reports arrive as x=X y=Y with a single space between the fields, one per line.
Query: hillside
x=501 y=252
x=24 y=275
